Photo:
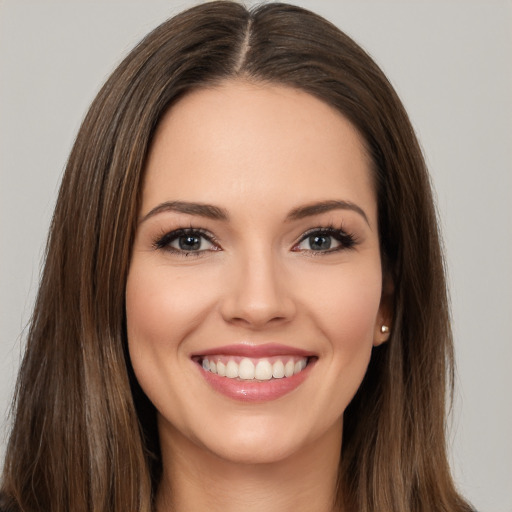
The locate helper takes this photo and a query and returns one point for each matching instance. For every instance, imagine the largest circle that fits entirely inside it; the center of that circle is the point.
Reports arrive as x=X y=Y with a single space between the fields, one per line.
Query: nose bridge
x=258 y=292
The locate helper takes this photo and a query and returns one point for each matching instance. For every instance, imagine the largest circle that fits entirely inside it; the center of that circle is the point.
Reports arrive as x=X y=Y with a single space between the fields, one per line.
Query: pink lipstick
x=254 y=373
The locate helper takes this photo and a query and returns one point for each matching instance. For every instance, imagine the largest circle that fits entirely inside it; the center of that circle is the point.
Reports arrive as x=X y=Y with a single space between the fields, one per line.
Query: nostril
x=259 y=314
x=257 y=320
x=257 y=294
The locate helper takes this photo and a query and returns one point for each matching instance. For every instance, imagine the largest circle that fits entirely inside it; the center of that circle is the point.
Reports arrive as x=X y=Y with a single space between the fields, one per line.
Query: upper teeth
x=261 y=369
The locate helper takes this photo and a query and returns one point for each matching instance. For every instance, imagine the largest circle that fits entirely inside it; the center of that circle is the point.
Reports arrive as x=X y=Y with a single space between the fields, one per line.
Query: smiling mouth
x=254 y=369
x=255 y=373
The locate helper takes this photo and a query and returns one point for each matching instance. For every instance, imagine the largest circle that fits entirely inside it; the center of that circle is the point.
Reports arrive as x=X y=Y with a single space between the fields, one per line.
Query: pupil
x=189 y=242
x=319 y=242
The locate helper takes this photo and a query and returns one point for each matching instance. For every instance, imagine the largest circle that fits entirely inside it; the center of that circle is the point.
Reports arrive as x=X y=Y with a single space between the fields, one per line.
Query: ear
x=382 y=330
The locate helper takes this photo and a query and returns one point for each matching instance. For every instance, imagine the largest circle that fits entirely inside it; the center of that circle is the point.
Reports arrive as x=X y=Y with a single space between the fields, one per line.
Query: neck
x=195 y=480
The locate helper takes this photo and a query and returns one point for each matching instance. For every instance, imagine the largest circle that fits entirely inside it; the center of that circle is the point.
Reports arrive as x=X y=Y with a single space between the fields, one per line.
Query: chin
x=266 y=441
x=251 y=451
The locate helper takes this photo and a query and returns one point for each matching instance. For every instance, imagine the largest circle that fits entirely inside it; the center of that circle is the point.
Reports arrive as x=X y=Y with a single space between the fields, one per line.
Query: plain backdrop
x=451 y=63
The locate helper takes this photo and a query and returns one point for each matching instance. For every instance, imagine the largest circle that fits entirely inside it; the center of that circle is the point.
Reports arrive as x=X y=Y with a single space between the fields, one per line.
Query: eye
x=191 y=243
x=318 y=242
x=325 y=240
x=186 y=241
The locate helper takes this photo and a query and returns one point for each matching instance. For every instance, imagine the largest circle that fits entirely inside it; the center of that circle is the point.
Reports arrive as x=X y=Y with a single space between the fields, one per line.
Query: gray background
x=451 y=62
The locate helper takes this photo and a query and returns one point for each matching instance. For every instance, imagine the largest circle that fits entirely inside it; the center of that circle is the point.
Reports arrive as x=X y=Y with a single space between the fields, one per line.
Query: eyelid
x=346 y=239
x=163 y=241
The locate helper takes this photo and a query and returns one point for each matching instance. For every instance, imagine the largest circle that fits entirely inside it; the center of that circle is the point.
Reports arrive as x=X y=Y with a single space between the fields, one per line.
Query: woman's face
x=256 y=254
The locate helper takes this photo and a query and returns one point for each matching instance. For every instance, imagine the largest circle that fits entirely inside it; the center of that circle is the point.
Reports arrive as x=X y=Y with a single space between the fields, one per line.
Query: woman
x=243 y=303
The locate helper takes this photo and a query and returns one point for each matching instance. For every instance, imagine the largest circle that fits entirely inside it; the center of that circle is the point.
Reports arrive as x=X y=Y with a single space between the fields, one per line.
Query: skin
x=258 y=152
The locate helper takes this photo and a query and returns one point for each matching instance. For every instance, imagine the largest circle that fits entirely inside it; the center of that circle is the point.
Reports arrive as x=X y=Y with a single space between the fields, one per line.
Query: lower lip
x=255 y=391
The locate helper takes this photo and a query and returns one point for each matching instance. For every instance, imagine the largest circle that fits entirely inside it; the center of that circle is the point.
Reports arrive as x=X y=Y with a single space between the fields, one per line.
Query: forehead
x=257 y=142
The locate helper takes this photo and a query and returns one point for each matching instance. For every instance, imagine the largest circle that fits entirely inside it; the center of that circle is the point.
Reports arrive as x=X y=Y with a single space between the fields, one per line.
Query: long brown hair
x=83 y=436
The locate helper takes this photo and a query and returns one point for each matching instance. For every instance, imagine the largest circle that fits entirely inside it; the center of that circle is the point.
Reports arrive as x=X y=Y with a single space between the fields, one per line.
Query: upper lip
x=255 y=351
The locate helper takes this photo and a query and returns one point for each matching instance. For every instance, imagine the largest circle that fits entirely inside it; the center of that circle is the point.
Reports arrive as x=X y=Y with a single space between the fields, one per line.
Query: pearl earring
x=384 y=329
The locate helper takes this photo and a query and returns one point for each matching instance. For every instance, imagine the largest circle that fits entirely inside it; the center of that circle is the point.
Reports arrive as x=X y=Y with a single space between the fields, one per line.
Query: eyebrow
x=216 y=213
x=203 y=210
x=325 y=206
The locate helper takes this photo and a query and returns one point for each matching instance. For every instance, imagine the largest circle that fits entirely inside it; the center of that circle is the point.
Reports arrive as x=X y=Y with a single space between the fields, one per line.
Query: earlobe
x=382 y=333
x=383 y=323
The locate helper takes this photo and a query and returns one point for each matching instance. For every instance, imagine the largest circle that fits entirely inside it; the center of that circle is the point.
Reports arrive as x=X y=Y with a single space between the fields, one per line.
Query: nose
x=257 y=293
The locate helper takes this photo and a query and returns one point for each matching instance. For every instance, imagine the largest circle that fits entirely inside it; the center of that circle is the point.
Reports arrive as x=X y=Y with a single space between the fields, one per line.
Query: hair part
x=84 y=436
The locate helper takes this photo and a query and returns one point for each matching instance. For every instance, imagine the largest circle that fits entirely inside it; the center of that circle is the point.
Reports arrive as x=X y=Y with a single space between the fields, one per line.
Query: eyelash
x=164 y=241
x=346 y=240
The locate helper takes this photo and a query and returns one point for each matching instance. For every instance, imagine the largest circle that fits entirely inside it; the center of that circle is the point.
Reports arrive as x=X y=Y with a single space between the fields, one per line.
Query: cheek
x=161 y=310
x=346 y=305
x=162 y=306
x=348 y=320
x=148 y=322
